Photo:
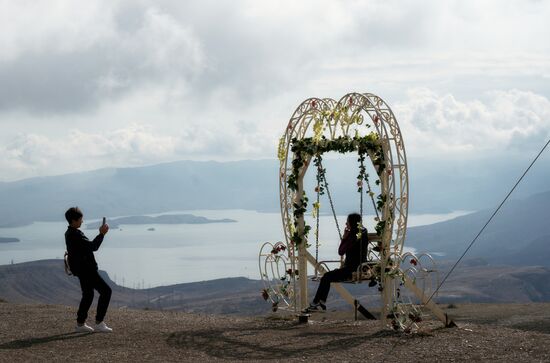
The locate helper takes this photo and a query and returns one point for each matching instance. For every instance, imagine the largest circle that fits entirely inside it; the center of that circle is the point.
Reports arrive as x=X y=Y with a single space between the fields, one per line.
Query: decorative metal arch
x=355 y=120
x=363 y=112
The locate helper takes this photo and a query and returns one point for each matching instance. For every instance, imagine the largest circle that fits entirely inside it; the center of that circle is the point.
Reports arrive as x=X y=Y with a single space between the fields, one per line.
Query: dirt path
x=45 y=333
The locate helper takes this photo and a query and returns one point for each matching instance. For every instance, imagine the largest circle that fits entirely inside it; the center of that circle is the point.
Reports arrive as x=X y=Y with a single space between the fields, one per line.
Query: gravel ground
x=45 y=333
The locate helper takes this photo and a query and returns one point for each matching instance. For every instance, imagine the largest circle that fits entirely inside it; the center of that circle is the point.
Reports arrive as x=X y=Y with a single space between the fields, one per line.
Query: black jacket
x=355 y=251
x=81 y=251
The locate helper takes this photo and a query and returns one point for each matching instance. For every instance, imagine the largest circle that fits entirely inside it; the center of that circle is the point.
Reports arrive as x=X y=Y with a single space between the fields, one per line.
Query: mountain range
x=186 y=185
x=519 y=234
x=436 y=186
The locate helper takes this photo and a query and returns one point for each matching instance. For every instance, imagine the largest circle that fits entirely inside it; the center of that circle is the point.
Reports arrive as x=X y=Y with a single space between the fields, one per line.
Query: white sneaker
x=102 y=328
x=84 y=328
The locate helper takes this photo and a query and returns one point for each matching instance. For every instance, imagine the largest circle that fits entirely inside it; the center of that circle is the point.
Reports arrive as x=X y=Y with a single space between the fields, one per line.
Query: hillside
x=485 y=333
x=518 y=235
x=46 y=282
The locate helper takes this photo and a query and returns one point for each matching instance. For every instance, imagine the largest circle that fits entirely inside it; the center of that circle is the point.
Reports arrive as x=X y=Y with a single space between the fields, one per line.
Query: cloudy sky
x=91 y=84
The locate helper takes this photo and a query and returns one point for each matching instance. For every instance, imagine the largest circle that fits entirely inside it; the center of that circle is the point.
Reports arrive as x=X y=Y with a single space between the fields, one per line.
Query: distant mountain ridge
x=186 y=185
x=8 y=240
x=162 y=219
x=435 y=187
x=518 y=235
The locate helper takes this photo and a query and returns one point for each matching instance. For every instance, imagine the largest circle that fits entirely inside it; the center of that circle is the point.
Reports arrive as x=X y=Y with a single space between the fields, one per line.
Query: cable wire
x=489 y=220
x=477 y=236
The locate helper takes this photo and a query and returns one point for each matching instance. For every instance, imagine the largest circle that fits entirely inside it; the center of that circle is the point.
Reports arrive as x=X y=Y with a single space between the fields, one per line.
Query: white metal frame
x=355 y=114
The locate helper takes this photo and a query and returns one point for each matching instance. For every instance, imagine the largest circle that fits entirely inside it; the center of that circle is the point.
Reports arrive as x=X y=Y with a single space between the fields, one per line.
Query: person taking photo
x=83 y=265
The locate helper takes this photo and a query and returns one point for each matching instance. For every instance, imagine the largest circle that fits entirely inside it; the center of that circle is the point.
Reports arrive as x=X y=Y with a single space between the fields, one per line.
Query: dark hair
x=73 y=214
x=354 y=219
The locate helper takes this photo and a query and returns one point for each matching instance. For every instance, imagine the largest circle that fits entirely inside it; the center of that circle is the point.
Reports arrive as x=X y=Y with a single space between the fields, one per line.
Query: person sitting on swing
x=353 y=249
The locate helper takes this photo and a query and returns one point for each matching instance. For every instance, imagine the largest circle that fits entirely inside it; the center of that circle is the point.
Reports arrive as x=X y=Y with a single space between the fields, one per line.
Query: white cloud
x=34 y=27
x=149 y=81
x=441 y=125
x=75 y=56
x=33 y=154
x=433 y=125
x=165 y=44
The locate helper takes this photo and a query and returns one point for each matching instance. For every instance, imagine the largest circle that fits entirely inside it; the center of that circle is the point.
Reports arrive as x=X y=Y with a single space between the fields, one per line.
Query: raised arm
x=346 y=244
x=93 y=245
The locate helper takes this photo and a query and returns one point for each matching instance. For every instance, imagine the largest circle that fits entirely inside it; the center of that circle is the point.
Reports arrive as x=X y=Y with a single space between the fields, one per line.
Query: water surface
x=172 y=254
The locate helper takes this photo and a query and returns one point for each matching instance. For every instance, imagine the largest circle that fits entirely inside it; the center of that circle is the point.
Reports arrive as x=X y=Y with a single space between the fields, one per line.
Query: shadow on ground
x=29 y=342
x=246 y=343
x=541 y=326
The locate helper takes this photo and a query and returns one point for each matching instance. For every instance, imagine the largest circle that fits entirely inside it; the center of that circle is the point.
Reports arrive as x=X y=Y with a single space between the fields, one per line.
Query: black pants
x=336 y=275
x=88 y=282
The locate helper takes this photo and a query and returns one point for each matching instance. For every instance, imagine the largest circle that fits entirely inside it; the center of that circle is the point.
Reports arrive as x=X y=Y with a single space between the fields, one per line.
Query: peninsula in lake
x=163 y=219
x=8 y=240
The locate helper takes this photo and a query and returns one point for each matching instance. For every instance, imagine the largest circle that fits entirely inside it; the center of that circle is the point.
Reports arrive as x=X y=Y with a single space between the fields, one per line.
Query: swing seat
x=363 y=273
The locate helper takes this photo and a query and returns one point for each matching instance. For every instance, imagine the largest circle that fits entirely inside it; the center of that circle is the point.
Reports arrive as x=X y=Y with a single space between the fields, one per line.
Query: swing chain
x=360 y=178
x=319 y=173
x=323 y=176
x=369 y=191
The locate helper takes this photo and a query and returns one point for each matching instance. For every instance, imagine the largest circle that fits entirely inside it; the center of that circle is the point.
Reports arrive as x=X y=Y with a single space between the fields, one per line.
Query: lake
x=171 y=254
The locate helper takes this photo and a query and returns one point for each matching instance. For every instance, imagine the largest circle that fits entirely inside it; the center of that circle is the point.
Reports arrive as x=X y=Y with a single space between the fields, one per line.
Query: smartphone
x=104 y=221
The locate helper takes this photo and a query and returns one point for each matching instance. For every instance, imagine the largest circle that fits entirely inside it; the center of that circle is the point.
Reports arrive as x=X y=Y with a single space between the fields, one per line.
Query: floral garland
x=316 y=146
x=284 y=286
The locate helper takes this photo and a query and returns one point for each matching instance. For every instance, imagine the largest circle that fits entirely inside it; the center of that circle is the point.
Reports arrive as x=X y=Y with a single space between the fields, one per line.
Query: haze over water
x=180 y=253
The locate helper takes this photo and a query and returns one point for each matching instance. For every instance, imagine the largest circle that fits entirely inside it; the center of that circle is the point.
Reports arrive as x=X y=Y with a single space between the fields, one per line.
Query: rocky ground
x=503 y=333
